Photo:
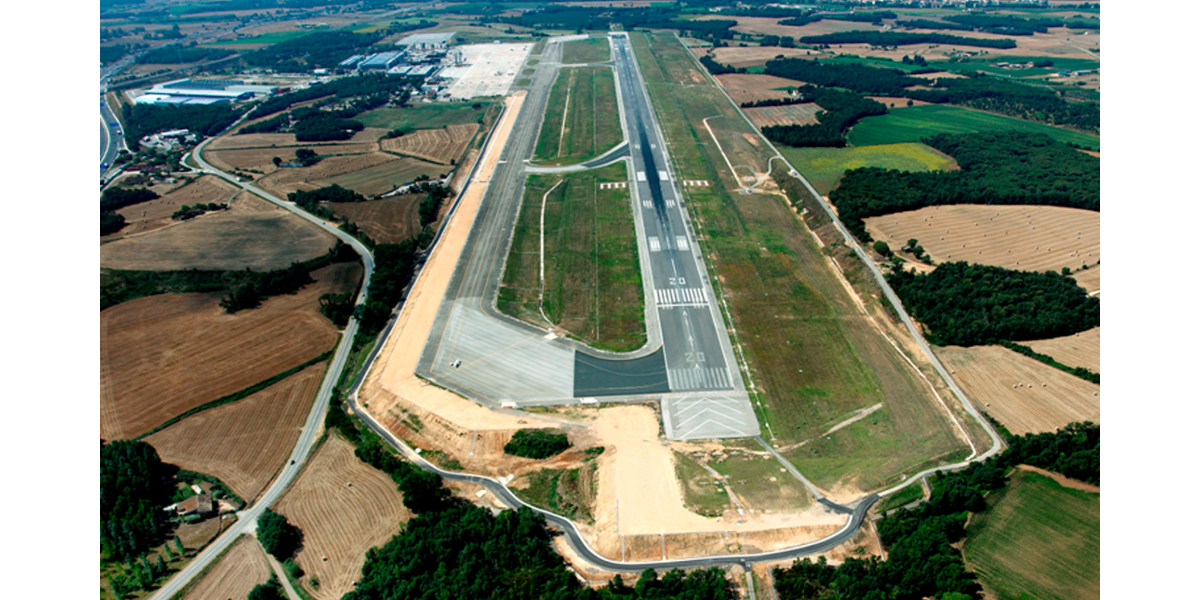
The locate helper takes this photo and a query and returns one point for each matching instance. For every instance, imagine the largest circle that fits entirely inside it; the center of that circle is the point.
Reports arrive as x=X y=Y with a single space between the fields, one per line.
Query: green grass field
x=591 y=50
x=812 y=353
x=593 y=283
x=425 y=116
x=266 y=38
x=586 y=98
x=749 y=476
x=701 y=492
x=1037 y=539
x=912 y=124
x=822 y=167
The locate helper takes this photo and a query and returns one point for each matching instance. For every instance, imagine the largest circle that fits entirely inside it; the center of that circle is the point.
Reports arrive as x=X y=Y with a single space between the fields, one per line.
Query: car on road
x=103 y=165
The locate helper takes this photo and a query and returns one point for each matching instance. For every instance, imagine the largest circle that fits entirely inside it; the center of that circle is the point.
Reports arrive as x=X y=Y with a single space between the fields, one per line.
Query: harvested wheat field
x=243 y=443
x=163 y=355
x=897 y=102
x=442 y=146
x=156 y=214
x=794 y=114
x=368 y=174
x=1079 y=350
x=744 y=81
x=387 y=221
x=243 y=567
x=1009 y=387
x=252 y=234
x=344 y=507
x=751 y=56
x=1027 y=238
x=364 y=140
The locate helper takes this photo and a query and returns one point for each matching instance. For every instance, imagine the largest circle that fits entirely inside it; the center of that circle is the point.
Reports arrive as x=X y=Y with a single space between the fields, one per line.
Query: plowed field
x=1079 y=350
x=387 y=221
x=1028 y=238
x=435 y=145
x=750 y=81
x=253 y=234
x=1008 y=386
x=243 y=567
x=794 y=114
x=156 y=214
x=344 y=507
x=162 y=355
x=750 y=56
x=244 y=443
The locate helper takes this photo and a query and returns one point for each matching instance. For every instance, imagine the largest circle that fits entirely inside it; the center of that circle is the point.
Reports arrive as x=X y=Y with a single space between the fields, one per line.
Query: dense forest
x=995 y=168
x=116 y=198
x=842 y=111
x=1011 y=98
x=374 y=84
x=857 y=78
x=435 y=194
x=536 y=443
x=966 y=304
x=203 y=119
x=135 y=485
x=176 y=54
x=921 y=562
x=862 y=17
x=895 y=38
x=317 y=50
x=717 y=68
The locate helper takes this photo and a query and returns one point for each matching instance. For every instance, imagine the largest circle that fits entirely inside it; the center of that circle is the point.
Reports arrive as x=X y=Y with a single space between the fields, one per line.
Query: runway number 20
x=676 y=281
x=694 y=357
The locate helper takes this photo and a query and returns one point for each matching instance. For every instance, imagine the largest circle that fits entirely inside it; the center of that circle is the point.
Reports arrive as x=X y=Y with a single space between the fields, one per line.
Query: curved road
x=248 y=518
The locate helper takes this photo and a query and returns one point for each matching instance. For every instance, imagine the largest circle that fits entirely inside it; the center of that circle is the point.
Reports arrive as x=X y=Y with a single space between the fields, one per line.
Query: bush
x=882 y=248
x=536 y=443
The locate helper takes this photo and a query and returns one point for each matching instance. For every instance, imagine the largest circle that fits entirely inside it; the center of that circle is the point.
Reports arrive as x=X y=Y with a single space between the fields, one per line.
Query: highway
x=313 y=425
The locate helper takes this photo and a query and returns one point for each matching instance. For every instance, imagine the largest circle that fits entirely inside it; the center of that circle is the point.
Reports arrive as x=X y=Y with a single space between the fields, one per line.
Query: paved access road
x=248 y=518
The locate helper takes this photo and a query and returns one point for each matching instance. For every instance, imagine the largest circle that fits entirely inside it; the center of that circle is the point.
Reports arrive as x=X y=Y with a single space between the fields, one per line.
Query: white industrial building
x=203 y=91
x=427 y=41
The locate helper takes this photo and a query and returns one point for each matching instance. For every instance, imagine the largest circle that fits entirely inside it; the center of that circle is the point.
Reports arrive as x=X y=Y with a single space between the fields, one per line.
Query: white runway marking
x=663 y=176
x=647 y=204
x=655 y=246
x=681 y=242
x=692 y=378
x=641 y=176
x=675 y=297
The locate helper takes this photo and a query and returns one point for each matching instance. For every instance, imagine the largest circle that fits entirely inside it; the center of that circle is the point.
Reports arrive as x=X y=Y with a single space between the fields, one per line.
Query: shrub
x=536 y=443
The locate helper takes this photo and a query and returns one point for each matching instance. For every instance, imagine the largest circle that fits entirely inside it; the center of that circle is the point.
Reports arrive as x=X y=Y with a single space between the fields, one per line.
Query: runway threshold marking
x=655 y=245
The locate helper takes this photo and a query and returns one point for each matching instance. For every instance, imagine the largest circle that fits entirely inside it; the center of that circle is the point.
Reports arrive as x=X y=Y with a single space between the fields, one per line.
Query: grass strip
x=1079 y=372
x=238 y=395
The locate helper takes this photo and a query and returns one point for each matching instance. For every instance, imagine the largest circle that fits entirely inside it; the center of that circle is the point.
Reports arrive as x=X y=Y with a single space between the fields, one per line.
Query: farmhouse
x=200 y=504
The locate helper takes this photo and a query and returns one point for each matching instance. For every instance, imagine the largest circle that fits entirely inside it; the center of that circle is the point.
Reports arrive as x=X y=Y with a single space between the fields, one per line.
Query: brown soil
x=988 y=375
x=284 y=181
x=793 y=114
x=345 y=507
x=162 y=355
x=1079 y=350
x=1029 y=238
x=895 y=102
x=387 y=221
x=362 y=141
x=751 y=56
x=156 y=214
x=464 y=169
x=743 y=81
x=1063 y=480
x=441 y=146
x=740 y=97
x=243 y=443
x=243 y=567
x=253 y=234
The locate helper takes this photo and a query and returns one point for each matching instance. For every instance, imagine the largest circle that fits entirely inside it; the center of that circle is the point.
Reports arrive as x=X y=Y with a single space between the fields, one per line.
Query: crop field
x=793 y=114
x=751 y=88
x=812 y=353
x=591 y=50
x=344 y=507
x=823 y=167
x=156 y=214
x=1079 y=350
x=386 y=221
x=368 y=174
x=593 y=283
x=443 y=146
x=750 y=56
x=1027 y=238
x=1008 y=386
x=242 y=567
x=163 y=355
x=252 y=234
x=581 y=119
x=243 y=443
x=1037 y=539
x=912 y=124
x=425 y=116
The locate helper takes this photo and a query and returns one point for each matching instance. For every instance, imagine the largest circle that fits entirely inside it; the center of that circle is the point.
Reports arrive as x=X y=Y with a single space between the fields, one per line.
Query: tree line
x=1080 y=372
x=372 y=84
x=1011 y=98
x=176 y=54
x=922 y=562
x=842 y=111
x=965 y=304
x=116 y=198
x=718 y=68
x=853 y=77
x=320 y=49
x=776 y=102
x=895 y=38
x=393 y=269
x=1006 y=167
